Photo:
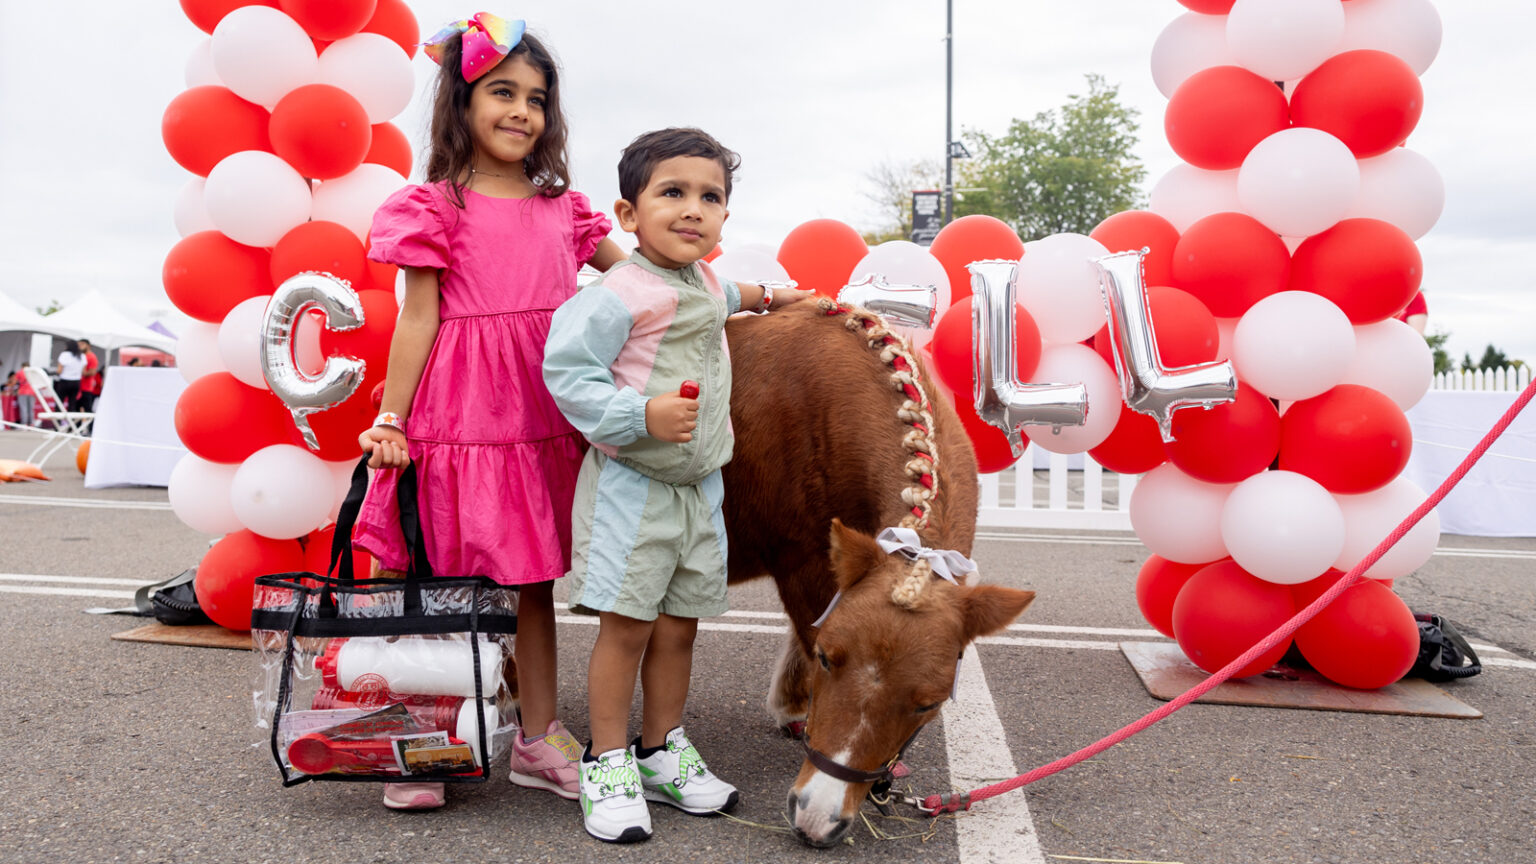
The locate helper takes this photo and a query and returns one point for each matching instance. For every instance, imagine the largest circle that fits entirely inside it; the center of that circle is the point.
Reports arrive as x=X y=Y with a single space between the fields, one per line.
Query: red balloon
x=207 y=274
x=953 y=343
x=223 y=420
x=1370 y=100
x=713 y=253
x=394 y=19
x=370 y=342
x=1306 y=592
x=1185 y=330
x=322 y=131
x=993 y=453
x=1223 y=610
x=1135 y=229
x=1230 y=261
x=204 y=124
x=1365 y=639
x=1133 y=447
x=973 y=238
x=226 y=577
x=206 y=14
x=1157 y=586
x=330 y=19
x=821 y=254
x=317 y=553
x=390 y=147
x=1228 y=443
x=322 y=246
x=1209 y=7
x=1370 y=269
x=1351 y=439
x=336 y=429
x=1218 y=114
x=380 y=275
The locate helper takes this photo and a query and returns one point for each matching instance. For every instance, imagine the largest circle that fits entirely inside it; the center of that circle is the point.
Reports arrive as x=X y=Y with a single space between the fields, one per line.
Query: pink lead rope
x=954 y=801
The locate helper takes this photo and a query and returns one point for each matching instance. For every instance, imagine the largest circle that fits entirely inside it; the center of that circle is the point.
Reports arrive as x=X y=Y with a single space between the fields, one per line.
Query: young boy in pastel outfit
x=649 y=546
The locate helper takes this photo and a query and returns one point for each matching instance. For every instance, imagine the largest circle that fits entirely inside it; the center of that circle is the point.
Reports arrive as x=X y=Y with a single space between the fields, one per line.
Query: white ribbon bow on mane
x=949 y=564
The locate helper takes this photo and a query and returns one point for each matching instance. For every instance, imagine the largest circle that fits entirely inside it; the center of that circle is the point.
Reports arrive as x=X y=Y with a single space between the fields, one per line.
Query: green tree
x=1493 y=358
x=1436 y=342
x=1065 y=170
x=889 y=186
x=53 y=306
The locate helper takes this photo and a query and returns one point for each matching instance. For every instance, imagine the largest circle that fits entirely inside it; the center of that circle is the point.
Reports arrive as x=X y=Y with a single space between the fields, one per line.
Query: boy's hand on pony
x=785 y=296
x=385 y=446
x=671 y=417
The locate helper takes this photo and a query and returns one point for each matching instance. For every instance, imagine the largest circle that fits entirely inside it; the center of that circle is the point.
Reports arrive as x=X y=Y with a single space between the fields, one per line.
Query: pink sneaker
x=550 y=763
x=413 y=796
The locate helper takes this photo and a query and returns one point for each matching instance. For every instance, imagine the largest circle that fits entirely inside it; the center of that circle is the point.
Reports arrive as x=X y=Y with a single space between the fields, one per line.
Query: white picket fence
x=1503 y=378
x=1077 y=493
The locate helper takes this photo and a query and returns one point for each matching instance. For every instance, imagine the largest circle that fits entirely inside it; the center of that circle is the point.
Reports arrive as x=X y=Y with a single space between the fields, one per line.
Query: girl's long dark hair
x=452 y=150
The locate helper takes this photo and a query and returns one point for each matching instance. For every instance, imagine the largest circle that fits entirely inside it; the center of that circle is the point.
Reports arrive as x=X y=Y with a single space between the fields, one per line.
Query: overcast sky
x=812 y=94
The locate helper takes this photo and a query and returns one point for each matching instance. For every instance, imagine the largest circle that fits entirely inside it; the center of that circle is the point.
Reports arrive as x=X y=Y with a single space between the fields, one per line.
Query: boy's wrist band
x=768 y=289
x=390 y=419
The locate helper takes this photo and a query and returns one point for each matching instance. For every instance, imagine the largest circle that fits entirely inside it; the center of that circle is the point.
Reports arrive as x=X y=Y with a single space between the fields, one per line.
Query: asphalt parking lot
x=139 y=752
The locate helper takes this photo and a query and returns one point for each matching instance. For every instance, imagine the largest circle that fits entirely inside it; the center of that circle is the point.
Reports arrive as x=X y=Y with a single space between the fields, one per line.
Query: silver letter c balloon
x=339 y=379
x=1001 y=398
x=1150 y=388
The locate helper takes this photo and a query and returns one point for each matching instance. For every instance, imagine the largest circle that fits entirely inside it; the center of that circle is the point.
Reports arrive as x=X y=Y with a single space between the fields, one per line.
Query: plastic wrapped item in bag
x=376 y=679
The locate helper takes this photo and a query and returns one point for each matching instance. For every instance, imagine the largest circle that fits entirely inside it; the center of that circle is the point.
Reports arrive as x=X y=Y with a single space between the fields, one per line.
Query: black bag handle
x=410 y=525
x=346 y=520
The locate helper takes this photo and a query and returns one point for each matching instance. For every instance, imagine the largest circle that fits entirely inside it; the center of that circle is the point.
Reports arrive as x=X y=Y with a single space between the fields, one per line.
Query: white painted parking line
x=89 y=503
x=77 y=580
x=64 y=592
x=1001 y=829
x=1048 y=643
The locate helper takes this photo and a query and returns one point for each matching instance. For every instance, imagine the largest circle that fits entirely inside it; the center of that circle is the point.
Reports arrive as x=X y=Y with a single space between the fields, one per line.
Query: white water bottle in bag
x=410 y=665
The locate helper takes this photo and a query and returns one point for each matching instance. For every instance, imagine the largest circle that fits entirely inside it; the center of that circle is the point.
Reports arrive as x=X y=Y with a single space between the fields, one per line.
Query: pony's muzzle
x=813 y=829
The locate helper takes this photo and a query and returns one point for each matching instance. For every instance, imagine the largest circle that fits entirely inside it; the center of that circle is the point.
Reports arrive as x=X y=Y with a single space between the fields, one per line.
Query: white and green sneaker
x=676 y=775
x=612 y=803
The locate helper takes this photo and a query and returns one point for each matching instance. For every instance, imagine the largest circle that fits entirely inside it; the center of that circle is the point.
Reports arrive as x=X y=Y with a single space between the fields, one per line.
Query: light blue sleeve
x=732 y=296
x=585 y=337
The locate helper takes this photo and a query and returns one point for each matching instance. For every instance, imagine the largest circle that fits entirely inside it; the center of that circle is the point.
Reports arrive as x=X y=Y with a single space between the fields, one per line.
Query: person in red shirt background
x=90 y=379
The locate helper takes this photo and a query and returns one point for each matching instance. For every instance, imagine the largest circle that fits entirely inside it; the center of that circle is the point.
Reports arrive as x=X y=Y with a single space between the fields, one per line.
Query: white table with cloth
x=1497 y=498
x=133 y=438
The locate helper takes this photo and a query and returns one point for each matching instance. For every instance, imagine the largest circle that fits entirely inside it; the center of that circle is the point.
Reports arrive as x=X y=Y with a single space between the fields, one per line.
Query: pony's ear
x=989 y=608
x=854 y=554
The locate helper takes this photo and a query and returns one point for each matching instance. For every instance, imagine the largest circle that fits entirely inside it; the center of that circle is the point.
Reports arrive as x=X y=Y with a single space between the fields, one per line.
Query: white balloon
x=1298 y=181
x=1186 y=194
x=1392 y=357
x=1179 y=517
x=351 y=199
x=240 y=340
x=199 y=70
x=197 y=351
x=282 y=492
x=341 y=474
x=1293 y=345
x=261 y=54
x=1078 y=364
x=255 y=198
x=190 y=214
x=749 y=265
x=199 y=493
x=1284 y=39
x=1282 y=527
x=1408 y=28
x=1401 y=187
x=374 y=69
x=1190 y=43
x=1059 y=285
x=1369 y=518
x=903 y=262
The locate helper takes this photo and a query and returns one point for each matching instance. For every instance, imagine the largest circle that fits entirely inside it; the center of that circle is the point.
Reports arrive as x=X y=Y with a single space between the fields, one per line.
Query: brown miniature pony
x=837 y=439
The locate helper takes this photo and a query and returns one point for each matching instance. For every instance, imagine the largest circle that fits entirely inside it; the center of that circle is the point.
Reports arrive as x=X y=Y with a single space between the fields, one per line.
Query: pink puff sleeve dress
x=496 y=460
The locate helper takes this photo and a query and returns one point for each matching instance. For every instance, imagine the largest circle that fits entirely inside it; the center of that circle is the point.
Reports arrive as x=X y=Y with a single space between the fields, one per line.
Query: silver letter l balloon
x=1001 y=398
x=304 y=394
x=1149 y=388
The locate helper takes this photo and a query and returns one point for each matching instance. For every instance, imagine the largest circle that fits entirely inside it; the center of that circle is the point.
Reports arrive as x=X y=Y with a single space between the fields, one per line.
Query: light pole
x=949 y=110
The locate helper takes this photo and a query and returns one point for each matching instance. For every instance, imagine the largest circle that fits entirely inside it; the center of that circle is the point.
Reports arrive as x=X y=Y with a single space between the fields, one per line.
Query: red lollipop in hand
x=689 y=390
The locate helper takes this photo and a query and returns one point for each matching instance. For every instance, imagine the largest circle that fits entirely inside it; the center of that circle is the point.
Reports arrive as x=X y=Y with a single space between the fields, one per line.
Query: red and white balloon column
x=1292 y=223
x=285 y=127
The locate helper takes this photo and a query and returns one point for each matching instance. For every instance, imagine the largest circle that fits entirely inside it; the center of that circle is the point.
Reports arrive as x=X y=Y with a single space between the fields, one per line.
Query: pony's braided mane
x=923 y=466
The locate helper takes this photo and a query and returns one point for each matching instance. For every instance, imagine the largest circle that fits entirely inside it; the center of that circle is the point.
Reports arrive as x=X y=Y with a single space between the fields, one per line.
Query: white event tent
x=93 y=317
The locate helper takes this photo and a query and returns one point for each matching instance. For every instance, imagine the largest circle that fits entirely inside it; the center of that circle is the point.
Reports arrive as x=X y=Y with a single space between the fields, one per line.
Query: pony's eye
x=821 y=657
x=926 y=708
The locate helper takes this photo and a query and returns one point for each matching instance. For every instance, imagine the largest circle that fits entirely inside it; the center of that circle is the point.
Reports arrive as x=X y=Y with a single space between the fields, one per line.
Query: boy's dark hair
x=452 y=148
x=644 y=153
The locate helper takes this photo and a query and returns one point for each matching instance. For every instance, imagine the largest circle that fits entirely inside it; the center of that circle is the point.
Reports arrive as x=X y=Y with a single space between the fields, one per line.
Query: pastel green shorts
x=641 y=547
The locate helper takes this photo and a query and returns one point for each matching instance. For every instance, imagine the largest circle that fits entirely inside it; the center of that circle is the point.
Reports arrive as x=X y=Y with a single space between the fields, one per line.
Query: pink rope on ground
x=948 y=803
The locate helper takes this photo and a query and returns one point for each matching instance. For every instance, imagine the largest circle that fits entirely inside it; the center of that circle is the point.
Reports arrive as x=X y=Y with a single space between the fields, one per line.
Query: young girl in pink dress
x=490 y=246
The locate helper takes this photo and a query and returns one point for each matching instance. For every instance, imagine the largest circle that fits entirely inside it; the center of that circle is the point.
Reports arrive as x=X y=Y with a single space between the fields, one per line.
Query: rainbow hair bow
x=486 y=40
